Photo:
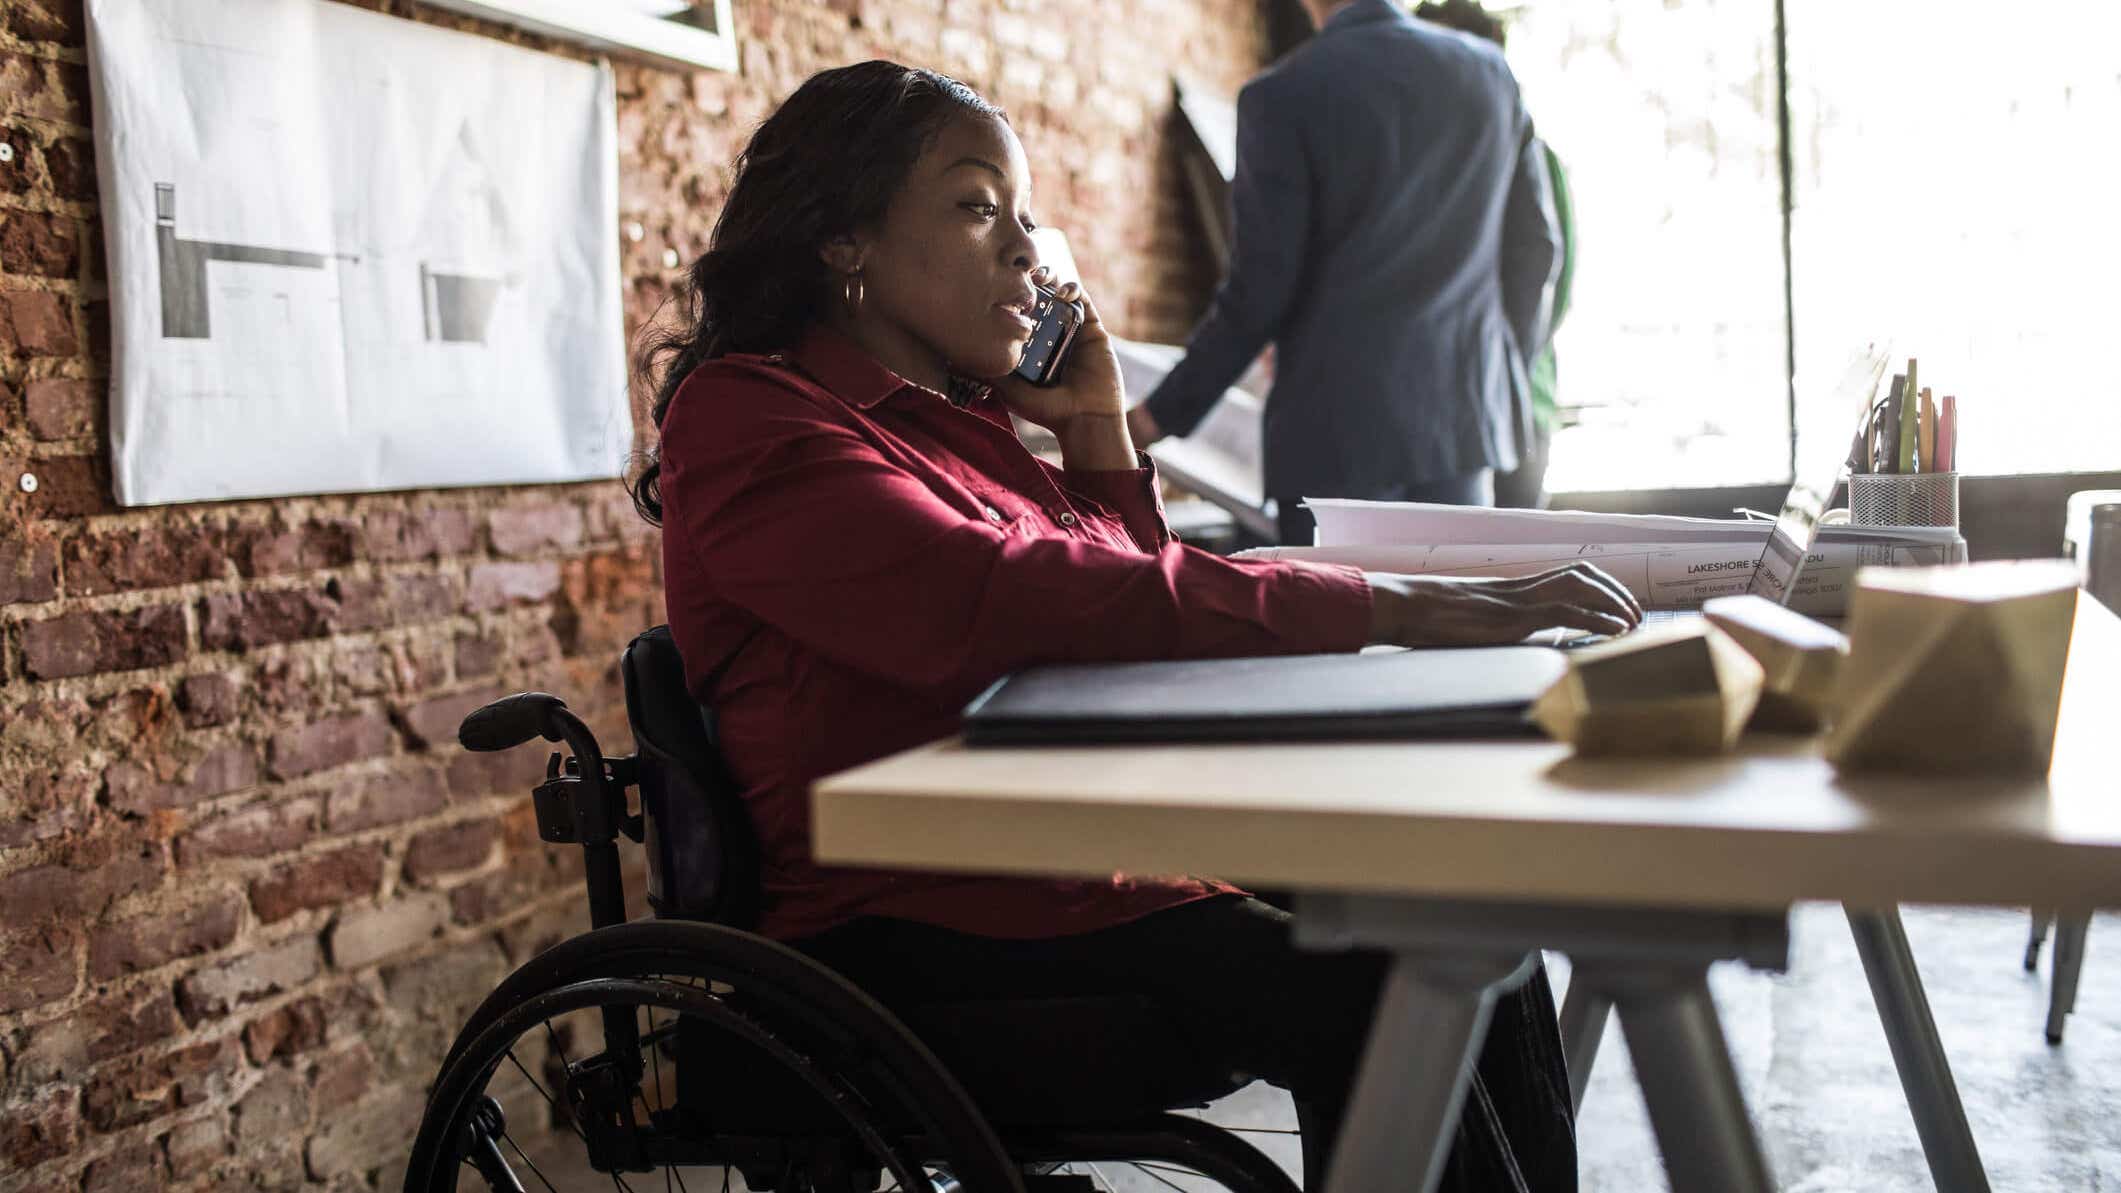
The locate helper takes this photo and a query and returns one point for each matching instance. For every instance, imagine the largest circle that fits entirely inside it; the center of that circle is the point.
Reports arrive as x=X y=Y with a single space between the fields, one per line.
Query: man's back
x=1375 y=207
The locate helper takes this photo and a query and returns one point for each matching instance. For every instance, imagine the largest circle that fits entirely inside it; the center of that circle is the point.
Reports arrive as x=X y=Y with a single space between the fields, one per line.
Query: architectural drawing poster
x=351 y=252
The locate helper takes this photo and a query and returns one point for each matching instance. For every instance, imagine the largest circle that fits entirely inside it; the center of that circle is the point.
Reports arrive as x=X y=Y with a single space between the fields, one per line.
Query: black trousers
x=1233 y=977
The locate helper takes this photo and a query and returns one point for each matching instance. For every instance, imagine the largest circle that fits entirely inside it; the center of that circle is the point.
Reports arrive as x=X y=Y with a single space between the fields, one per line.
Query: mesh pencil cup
x=1911 y=499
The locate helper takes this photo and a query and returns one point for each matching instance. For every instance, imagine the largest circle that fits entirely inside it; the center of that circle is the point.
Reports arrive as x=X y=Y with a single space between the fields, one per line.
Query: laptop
x=1797 y=524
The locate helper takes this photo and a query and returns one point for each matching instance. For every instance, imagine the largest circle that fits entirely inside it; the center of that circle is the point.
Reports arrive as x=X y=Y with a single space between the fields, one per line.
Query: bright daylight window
x=1955 y=170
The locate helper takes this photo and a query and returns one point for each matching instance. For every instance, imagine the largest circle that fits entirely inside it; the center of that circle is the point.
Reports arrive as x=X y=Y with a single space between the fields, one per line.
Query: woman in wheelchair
x=856 y=542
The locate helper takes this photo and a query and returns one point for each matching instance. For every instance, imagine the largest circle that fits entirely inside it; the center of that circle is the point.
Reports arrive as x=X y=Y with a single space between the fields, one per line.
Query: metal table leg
x=1583 y=1017
x=1401 y=1120
x=1688 y=1082
x=1453 y=957
x=2071 y=929
x=1918 y=1053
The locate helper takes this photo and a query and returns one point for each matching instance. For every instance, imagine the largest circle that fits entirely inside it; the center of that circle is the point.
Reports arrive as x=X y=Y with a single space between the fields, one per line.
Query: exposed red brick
x=357 y=605
x=133 y=1168
x=62 y=407
x=342 y=1078
x=47 y=801
x=133 y=788
x=527 y=530
x=160 y=937
x=210 y=699
x=102 y=871
x=137 y=1091
x=389 y=798
x=36 y=322
x=130 y=1021
x=194 y=1147
x=317 y=882
x=275 y=1110
x=40 y=1127
x=247 y=620
x=94 y=641
x=273 y=550
x=499 y=585
x=477 y=655
x=394 y=535
x=70 y=487
x=330 y=742
x=71 y=163
x=37 y=966
x=446 y=850
x=29 y=569
x=46 y=20
x=144 y=557
x=249 y=976
x=347 y=1143
x=606 y=598
x=432 y=724
x=365 y=935
x=418 y=598
x=276 y=827
x=38 y=244
x=295 y=1028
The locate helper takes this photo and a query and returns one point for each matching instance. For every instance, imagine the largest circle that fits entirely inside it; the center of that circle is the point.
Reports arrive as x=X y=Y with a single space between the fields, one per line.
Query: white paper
x=1368 y=523
x=350 y=251
x=1674 y=575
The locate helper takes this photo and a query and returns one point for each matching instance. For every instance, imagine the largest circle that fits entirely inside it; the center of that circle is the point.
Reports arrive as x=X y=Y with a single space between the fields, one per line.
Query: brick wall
x=248 y=885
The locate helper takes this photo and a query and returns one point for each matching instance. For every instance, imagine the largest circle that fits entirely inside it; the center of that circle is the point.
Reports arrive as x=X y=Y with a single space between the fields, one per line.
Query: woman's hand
x=1439 y=611
x=1087 y=411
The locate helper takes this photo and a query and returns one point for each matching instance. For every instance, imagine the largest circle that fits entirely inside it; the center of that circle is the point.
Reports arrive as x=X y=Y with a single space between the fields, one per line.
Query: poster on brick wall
x=351 y=252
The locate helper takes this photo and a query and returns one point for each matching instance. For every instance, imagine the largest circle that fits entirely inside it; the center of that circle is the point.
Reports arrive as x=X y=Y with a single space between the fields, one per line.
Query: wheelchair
x=686 y=1040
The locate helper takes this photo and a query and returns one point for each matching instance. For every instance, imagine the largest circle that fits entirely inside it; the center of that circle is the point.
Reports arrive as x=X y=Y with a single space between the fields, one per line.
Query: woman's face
x=949 y=271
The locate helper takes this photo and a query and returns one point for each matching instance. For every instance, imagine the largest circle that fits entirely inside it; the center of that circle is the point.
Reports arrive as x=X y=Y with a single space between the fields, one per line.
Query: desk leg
x=1688 y=1083
x=1401 y=1120
x=1925 y=1073
x=1584 y=1012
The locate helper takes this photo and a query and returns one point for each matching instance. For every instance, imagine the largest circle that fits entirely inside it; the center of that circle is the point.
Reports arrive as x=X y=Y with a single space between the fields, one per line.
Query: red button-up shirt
x=850 y=558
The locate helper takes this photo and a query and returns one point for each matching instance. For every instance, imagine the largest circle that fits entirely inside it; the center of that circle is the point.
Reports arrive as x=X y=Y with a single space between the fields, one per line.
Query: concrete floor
x=1817 y=1073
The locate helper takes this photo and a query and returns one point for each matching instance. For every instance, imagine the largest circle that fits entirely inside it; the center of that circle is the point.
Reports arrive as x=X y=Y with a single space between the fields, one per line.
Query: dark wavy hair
x=1466 y=16
x=825 y=164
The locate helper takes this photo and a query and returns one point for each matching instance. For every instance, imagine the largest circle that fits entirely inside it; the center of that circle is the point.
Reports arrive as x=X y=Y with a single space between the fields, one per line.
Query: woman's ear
x=842 y=254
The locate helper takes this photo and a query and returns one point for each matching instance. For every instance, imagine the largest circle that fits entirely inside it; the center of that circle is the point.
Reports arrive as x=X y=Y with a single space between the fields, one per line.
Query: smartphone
x=1047 y=353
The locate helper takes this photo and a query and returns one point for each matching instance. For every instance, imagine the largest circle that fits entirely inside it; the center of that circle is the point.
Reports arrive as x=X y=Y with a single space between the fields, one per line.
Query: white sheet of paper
x=1671 y=575
x=350 y=251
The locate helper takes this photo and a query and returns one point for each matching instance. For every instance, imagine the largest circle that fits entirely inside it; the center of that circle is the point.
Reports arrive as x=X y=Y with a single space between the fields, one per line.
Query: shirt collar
x=1362 y=12
x=845 y=368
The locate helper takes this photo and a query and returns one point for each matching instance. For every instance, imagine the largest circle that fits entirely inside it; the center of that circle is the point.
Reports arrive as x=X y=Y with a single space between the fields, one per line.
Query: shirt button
x=994 y=515
x=1067 y=519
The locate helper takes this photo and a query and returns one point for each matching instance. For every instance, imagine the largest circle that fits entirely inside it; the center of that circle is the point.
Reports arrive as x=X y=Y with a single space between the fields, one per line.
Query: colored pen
x=1889 y=428
x=1927 y=443
x=1948 y=435
x=1908 y=410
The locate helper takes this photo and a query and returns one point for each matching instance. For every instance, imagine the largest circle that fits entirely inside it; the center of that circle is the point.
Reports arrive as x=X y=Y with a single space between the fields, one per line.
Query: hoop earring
x=851 y=293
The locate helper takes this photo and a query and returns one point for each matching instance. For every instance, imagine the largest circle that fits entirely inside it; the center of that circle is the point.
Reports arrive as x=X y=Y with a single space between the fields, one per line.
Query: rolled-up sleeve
x=801 y=521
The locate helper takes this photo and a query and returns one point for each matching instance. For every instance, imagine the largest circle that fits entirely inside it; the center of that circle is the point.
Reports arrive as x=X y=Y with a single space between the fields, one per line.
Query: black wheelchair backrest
x=703 y=857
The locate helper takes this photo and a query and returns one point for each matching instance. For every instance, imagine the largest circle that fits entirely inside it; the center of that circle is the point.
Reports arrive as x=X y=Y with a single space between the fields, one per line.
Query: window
x=1952 y=180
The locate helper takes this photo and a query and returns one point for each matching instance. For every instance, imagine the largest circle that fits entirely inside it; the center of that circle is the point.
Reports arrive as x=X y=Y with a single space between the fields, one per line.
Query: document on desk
x=1667 y=562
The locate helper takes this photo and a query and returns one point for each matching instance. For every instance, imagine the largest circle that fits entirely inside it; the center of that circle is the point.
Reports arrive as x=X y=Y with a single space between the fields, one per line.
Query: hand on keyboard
x=1441 y=611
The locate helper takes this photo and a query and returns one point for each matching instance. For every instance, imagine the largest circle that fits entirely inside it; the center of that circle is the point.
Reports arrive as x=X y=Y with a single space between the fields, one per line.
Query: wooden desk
x=1519 y=834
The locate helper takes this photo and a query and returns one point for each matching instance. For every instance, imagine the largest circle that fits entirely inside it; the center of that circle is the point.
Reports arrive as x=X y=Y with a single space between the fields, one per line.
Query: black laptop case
x=1397 y=694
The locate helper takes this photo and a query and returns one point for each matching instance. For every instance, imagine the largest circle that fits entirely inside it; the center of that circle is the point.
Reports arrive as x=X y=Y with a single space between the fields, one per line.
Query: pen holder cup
x=1913 y=499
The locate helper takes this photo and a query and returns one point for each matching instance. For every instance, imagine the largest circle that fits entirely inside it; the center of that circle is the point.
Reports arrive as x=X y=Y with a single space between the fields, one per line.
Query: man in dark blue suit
x=1395 y=240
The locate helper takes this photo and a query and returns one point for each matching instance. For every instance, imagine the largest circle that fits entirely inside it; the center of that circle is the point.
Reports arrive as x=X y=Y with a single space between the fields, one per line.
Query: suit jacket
x=1395 y=241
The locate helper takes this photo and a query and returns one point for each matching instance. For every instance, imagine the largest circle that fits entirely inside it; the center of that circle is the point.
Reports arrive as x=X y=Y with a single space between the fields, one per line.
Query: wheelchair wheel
x=617 y=1037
